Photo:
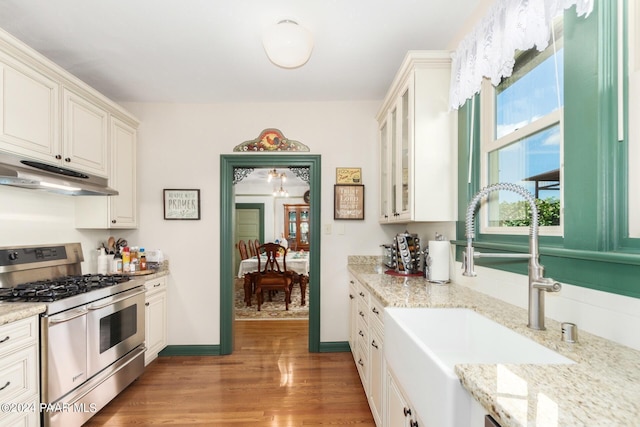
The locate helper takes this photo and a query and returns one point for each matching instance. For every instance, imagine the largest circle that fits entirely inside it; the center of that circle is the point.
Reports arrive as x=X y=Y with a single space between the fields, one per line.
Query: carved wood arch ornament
x=271 y=140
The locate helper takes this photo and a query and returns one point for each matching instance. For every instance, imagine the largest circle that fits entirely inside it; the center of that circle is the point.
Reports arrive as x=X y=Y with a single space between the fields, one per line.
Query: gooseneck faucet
x=538 y=284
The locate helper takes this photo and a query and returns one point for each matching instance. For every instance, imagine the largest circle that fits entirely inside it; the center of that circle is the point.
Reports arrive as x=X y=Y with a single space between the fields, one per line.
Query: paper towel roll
x=439 y=253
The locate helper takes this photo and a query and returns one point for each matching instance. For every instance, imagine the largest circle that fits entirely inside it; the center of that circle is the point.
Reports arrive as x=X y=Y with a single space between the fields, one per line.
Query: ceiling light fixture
x=281 y=192
x=273 y=174
x=287 y=44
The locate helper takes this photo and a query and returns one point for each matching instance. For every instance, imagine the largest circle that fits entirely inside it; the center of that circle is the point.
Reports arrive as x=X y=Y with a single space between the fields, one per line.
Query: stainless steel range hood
x=36 y=175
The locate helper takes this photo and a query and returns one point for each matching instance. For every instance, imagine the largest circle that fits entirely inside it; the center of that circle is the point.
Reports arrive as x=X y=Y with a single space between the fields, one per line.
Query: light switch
x=327 y=229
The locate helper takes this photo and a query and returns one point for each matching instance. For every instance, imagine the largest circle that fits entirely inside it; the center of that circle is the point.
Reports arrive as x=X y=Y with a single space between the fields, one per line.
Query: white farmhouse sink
x=422 y=345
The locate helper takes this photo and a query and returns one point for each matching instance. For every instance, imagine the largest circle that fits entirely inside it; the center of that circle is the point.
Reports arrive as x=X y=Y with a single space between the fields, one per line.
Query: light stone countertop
x=601 y=389
x=13 y=311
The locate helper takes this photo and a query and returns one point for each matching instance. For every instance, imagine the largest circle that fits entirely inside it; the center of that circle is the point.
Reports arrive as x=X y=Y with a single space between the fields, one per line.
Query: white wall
x=30 y=217
x=180 y=147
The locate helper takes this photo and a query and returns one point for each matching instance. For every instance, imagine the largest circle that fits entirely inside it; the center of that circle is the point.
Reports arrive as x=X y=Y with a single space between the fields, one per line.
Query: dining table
x=297 y=262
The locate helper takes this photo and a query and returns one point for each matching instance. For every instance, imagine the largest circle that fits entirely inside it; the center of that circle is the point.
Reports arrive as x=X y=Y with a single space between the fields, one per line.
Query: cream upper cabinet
x=417 y=142
x=85 y=135
x=29 y=111
x=114 y=211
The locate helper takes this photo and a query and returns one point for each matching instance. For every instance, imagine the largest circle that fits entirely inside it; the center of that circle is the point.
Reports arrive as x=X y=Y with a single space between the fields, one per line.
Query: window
x=522 y=141
x=597 y=248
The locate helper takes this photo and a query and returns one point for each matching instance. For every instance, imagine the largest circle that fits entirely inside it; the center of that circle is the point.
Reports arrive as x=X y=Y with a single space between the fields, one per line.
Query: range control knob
x=13 y=256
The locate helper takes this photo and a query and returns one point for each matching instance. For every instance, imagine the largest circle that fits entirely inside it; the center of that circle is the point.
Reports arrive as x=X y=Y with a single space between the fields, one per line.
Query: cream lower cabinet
x=155 y=317
x=398 y=410
x=19 y=373
x=367 y=339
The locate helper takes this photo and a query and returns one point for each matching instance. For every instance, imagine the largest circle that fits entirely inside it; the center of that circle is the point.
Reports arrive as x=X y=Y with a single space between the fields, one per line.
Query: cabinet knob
x=67 y=159
x=58 y=156
x=407 y=411
x=413 y=423
x=351 y=296
x=147 y=304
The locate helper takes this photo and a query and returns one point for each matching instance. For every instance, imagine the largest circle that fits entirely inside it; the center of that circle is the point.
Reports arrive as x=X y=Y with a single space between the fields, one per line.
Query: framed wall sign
x=348 y=175
x=348 y=201
x=181 y=204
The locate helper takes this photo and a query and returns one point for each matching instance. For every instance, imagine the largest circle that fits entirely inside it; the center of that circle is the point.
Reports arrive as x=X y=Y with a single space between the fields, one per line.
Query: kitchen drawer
x=363 y=295
x=19 y=375
x=362 y=337
x=18 y=334
x=376 y=315
x=156 y=285
x=28 y=416
x=363 y=312
x=362 y=363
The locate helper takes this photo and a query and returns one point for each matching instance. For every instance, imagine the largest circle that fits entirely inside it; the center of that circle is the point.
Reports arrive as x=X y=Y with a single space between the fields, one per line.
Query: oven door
x=64 y=353
x=115 y=326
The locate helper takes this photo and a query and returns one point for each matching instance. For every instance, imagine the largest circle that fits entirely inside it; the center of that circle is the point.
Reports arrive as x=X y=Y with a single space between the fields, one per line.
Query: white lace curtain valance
x=489 y=50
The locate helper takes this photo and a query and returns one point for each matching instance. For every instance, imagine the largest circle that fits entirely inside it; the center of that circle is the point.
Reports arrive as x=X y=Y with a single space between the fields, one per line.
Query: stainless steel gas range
x=91 y=334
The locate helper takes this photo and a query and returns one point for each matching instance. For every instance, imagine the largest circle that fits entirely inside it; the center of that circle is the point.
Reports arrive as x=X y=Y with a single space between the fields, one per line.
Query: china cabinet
x=297 y=226
x=417 y=142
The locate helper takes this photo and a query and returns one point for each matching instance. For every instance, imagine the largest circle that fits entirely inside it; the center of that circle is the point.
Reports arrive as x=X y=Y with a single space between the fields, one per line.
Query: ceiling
x=210 y=51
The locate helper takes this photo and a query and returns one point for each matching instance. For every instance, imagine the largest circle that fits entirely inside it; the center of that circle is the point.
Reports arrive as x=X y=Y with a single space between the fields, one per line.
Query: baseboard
x=334 y=347
x=190 y=350
x=214 y=350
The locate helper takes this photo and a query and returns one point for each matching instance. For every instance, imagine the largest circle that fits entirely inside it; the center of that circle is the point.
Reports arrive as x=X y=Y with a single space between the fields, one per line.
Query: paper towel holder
x=428 y=262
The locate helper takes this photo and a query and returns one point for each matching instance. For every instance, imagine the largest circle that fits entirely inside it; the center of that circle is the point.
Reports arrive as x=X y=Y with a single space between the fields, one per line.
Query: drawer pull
x=361 y=294
x=5 y=339
x=375 y=310
x=360 y=362
x=5 y=386
x=351 y=296
x=373 y=344
x=361 y=313
x=156 y=285
x=361 y=333
x=351 y=281
x=407 y=411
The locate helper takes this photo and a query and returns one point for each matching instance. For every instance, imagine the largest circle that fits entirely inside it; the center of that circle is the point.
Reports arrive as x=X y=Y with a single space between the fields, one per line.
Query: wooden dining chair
x=242 y=247
x=252 y=249
x=256 y=245
x=272 y=274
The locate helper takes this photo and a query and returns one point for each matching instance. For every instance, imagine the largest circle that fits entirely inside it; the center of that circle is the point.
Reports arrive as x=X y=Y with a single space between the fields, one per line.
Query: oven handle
x=73 y=315
x=121 y=297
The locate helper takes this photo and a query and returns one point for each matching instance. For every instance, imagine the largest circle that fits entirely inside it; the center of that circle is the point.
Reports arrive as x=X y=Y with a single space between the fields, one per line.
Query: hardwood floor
x=270 y=380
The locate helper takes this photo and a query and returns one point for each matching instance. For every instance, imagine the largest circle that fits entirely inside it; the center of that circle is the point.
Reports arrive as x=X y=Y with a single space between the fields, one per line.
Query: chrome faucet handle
x=547 y=284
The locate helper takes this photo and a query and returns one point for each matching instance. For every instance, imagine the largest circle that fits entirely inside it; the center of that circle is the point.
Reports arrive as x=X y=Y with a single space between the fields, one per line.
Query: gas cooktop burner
x=57 y=289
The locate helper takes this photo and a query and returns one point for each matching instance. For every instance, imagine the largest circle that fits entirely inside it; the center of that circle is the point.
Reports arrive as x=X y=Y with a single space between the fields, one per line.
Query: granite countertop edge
x=601 y=388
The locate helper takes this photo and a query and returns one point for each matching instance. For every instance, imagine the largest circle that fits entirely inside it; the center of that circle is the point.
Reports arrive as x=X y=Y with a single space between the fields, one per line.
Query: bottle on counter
x=103 y=262
x=134 y=263
x=143 y=259
x=126 y=260
x=117 y=263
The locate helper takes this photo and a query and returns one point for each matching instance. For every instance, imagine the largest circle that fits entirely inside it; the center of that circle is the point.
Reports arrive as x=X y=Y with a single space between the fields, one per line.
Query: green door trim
x=227 y=206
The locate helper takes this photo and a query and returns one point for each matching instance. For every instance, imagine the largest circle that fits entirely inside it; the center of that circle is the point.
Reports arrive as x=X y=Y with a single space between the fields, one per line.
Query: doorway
x=228 y=163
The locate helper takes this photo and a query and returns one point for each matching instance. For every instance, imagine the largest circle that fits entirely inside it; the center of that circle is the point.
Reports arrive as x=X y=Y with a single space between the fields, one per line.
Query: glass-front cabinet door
x=384 y=208
x=297 y=227
x=403 y=203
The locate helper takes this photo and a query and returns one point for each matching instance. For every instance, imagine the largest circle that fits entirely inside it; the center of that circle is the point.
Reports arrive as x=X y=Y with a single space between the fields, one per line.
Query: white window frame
x=488 y=144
